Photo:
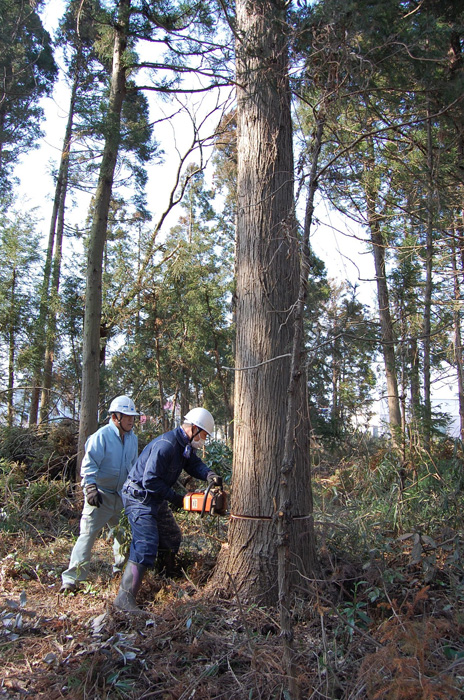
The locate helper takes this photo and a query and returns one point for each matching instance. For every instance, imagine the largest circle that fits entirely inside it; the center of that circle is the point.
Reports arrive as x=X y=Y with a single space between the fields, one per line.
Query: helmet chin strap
x=195 y=434
x=118 y=421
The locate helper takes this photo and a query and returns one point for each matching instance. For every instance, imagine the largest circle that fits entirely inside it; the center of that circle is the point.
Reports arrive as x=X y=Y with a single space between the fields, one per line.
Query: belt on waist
x=135 y=489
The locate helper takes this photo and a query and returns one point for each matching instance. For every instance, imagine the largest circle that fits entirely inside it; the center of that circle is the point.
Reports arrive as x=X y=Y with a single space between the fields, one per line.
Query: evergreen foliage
x=27 y=73
x=19 y=256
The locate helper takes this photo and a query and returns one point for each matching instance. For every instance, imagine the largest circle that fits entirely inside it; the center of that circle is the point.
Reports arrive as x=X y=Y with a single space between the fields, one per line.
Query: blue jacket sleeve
x=160 y=464
x=196 y=468
x=95 y=449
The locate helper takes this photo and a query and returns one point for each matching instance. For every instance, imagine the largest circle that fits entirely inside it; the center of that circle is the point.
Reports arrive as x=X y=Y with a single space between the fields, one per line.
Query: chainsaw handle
x=210 y=486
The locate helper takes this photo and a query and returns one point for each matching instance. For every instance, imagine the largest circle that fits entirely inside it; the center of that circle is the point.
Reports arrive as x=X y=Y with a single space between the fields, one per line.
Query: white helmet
x=201 y=418
x=123 y=404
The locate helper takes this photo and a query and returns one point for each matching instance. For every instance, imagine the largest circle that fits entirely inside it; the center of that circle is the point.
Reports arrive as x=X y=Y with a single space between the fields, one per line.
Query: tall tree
x=77 y=37
x=379 y=241
x=93 y=296
x=351 y=338
x=136 y=20
x=265 y=295
x=405 y=75
x=457 y=340
x=199 y=278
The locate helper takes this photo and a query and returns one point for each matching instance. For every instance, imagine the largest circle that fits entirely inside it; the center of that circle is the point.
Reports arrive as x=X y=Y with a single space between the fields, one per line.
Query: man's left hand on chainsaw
x=177 y=501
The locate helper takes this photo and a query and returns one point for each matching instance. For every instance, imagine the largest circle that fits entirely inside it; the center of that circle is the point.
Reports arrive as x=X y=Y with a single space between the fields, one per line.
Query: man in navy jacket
x=149 y=489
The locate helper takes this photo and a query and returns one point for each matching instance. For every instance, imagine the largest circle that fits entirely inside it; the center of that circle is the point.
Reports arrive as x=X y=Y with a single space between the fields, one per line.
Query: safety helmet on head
x=201 y=418
x=123 y=404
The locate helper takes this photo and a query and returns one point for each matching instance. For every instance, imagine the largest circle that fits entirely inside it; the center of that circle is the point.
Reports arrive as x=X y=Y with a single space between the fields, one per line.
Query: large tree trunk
x=93 y=295
x=296 y=409
x=266 y=292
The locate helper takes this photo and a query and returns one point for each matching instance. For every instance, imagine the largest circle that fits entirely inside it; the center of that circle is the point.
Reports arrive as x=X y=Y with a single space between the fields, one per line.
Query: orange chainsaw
x=212 y=501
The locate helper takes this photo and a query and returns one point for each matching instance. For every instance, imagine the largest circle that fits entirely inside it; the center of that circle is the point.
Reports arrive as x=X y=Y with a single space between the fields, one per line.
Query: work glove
x=93 y=495
x=215 y=479
x=178 y=501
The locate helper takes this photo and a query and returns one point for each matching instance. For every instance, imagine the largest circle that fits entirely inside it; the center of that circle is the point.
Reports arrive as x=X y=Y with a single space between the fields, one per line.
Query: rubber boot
x=128 y=588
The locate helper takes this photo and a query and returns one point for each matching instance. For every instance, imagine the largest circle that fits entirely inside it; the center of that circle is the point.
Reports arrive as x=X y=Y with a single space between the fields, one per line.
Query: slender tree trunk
x=174 y=404
x=403 y=378
x=162 y=398
x=415 y=378
x=11 y=352
x=426 y=329
x=266 y=293
x=41 y=351
x=184 y=393
x=335 y=413
x=2 y=129
x=461 y=240
x=386 y=324
x=93 y=296
x=52 y=312
x=220 y=373
x=458 y=352
x=224 y=386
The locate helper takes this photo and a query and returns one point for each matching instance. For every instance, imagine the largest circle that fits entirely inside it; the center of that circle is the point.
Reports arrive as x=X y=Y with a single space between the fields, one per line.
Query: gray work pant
x=93 y=520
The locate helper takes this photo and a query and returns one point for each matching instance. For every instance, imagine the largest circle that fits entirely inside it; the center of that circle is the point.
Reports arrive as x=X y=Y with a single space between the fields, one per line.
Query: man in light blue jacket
x=109 y=455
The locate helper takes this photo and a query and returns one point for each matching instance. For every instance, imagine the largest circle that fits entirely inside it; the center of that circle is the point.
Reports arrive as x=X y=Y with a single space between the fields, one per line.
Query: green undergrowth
x=388 y=528
x=383 y=616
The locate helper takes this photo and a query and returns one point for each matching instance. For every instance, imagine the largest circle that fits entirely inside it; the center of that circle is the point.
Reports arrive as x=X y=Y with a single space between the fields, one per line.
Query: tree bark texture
x=297 y=383
x=266 y=294
x=93 y=296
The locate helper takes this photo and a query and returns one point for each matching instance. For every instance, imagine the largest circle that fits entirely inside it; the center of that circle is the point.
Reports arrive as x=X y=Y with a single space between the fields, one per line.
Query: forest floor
x=355 y=637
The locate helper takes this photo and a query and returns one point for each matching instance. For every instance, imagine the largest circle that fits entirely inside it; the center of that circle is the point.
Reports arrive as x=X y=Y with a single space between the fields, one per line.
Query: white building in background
x=378 y=425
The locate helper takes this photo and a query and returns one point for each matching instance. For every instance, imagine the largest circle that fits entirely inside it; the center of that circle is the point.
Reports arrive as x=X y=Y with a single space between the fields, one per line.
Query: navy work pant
x=153 y=528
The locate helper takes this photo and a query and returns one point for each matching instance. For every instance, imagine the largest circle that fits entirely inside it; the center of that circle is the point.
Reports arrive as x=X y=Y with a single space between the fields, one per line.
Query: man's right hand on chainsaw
x=93 y=495
x=215 y=479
